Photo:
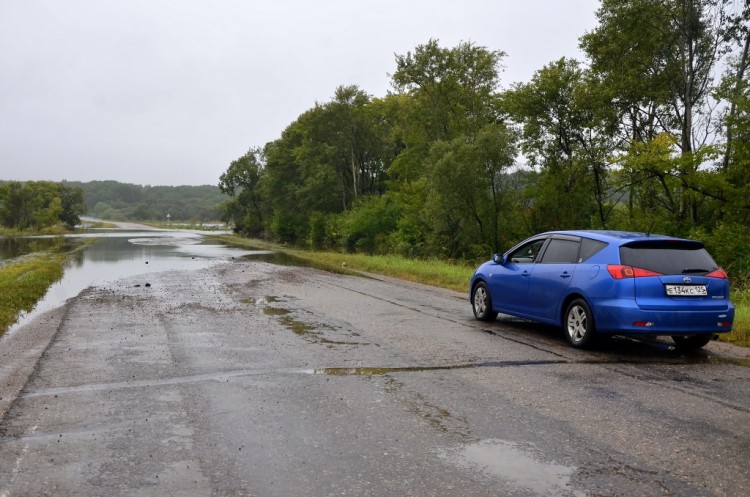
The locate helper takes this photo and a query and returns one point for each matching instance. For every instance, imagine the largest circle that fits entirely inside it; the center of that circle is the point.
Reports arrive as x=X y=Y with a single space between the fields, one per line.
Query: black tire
x=578 y=324
x=693 y=342
x=481 y=303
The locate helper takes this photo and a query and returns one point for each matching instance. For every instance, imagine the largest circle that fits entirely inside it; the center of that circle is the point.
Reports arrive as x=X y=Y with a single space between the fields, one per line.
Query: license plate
x=687 y=290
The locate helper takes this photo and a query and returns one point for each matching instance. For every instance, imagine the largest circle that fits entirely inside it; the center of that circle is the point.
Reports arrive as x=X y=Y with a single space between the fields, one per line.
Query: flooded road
x=116 y=254
x=231 y=375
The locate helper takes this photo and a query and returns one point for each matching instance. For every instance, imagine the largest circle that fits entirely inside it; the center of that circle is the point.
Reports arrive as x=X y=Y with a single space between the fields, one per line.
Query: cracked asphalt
x=254 y=379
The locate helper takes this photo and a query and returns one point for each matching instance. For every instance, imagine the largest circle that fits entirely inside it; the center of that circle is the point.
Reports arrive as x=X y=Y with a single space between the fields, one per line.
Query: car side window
x=561 y=252
x=527 y=253
x=589 y=248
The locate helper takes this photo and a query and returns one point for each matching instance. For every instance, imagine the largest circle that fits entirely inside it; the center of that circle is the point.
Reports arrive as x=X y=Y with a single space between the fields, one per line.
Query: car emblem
x=687 y=279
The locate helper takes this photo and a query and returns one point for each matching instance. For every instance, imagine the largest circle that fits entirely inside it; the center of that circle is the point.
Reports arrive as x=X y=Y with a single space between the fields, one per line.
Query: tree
x=240 y=181
x=453 y=88
x=39 y=204
x=565 y=127
x=735 y=90
x=72 y=205
x=657 y=58
x=468 y=189
x=445 y=93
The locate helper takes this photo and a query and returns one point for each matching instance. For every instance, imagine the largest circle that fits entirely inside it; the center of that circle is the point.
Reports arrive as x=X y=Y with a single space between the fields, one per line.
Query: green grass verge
x=740 y=334
x=24 y=282
x=450 y=275
x=52 y=230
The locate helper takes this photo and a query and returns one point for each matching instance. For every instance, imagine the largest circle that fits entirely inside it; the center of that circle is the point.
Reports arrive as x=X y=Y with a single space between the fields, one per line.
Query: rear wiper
x=695 y=270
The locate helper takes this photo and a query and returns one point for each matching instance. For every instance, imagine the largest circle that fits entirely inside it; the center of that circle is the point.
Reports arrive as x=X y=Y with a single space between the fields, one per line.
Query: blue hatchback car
x=608 y=283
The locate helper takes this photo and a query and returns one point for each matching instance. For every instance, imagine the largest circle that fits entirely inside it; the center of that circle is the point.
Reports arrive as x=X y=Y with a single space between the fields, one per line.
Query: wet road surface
x=249 y=378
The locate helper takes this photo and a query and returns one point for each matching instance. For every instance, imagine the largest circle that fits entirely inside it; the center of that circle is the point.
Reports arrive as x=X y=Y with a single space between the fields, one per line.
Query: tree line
x=117 y=201
x=36 y=205
x=650 y=132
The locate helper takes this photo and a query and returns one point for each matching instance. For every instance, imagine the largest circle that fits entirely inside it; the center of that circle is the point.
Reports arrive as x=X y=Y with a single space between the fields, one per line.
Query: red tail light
x=620 y=272
x=719 y=273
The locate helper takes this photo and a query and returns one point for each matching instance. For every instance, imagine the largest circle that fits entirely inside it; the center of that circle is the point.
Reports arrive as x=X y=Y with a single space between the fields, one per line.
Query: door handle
x=565 y=275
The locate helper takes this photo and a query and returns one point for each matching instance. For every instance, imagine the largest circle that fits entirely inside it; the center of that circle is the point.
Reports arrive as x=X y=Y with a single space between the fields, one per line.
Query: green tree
x=566 y=134
x=445 y=97
x=39 y=204
x=240 y=182
x=735 y=90
x=468 y=190
x=656 y=58
x=453 y=88
x=72 y=205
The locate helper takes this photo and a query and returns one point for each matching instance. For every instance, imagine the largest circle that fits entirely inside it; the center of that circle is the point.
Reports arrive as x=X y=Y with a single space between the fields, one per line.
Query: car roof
x=615 y=237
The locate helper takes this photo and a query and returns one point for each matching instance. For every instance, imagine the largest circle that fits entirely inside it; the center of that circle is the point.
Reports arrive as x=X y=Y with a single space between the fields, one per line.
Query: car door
x=550 y=277
x=509 y=282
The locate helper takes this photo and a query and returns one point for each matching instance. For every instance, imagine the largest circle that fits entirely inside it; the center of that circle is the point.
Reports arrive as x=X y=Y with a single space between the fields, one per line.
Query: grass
x=57 y=229
x=450 y=275
x=740 y=334
x=24 y=282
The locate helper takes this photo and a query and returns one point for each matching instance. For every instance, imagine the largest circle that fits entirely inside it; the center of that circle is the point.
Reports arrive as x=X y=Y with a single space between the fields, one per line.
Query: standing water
x=120 y=254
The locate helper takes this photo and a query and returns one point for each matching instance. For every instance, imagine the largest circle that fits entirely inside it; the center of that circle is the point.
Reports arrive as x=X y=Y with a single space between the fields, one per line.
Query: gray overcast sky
x=169 y=92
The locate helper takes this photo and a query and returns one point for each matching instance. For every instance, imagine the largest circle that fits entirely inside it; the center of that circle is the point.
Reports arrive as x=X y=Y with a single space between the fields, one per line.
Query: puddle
x=308 y=331
x=298 y=327
x=508 y=461
x=278 y=258
x=275 y=311
x=283 y=259
x=712 y=359
x=268 y=299
x=382 y=371
x=326 y=341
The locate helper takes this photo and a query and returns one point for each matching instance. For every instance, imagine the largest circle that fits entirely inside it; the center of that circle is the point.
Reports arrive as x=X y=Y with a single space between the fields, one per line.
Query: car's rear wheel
x=481 y=302
x=579 y=324
x=693 y=342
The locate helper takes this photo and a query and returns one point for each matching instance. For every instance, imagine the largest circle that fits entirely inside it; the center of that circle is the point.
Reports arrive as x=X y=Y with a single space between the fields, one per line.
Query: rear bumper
x=621 y=316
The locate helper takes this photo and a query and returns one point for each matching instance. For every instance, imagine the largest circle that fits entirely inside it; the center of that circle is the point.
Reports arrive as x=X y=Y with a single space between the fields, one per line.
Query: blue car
x=608 y=283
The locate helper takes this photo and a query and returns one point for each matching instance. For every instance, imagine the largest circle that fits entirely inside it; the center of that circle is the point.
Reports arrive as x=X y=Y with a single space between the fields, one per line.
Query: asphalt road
x=255 y=379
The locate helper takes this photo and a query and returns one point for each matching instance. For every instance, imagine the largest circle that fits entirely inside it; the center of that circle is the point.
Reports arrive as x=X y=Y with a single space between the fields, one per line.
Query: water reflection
x=12 y=247
x=518 y=467
x=121 y=254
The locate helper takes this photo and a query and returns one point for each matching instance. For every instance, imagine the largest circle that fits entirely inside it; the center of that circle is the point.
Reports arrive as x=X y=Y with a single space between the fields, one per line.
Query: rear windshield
x=669 y=258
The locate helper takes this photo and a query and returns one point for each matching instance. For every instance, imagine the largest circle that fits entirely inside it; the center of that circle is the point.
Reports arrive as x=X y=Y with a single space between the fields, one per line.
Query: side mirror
x=499 y=259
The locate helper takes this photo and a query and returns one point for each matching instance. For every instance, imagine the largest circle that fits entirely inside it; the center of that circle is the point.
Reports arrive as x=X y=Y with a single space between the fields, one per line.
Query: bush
x=366 y=228
x=288 y=227
x=729 y=244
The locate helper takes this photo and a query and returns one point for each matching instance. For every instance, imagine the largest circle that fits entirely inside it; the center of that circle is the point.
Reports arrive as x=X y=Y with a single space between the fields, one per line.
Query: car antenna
x=648 y=233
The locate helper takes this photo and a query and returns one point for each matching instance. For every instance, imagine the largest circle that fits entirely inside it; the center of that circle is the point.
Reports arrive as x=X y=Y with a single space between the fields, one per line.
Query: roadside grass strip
x=740 y=334
x=439 y=273
x=24 y=282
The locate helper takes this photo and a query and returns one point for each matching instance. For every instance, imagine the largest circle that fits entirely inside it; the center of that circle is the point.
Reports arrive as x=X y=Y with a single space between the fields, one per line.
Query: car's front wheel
x=481 y=302
x=693 y=342
x=579 y=324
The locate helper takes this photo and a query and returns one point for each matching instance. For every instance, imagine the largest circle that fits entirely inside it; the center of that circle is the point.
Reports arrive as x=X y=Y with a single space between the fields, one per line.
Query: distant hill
x=128 y=202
